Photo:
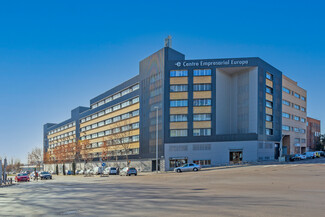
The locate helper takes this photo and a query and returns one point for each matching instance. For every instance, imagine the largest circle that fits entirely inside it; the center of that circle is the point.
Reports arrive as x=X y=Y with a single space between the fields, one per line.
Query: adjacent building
x=209 y=111
x=313 y=133
x=294 y=117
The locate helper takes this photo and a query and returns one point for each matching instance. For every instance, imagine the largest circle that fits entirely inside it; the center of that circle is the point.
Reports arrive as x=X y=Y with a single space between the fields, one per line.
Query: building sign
x=204 y=63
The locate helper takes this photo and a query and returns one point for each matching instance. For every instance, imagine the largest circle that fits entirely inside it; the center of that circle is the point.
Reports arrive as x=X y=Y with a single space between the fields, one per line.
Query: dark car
x=295 y=157
x=45 y=175
x=128 y=171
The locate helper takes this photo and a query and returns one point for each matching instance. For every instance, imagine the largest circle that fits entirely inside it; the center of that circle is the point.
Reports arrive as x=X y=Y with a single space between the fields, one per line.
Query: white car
x=110 y=171
x=303 y=157
x=188 y=167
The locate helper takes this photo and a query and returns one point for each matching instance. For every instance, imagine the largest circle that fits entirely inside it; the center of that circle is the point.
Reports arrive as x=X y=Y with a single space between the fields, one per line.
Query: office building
x=294 y=117
x=313 y=134
x=210 y=112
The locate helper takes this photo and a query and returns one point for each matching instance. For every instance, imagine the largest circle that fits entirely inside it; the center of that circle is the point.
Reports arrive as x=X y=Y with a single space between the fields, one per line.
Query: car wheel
x=135 y=174
x=195 y=169
x=178 y=170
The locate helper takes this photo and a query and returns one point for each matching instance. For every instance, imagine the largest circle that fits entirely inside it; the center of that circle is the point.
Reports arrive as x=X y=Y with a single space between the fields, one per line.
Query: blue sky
x=55 y=56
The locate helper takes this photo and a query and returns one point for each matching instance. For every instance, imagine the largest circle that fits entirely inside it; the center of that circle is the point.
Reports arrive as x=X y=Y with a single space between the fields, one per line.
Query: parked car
x=128 y=171
x=188 y=167
x=45 y=175
x=110 y=171
x=310 y=154
x=80 y=172
x=22 y=177
x=303 y=157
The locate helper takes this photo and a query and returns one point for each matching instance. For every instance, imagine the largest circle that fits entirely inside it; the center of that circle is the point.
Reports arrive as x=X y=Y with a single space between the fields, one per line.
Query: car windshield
x=185 y=165
x=22 y=174
x=113 y=168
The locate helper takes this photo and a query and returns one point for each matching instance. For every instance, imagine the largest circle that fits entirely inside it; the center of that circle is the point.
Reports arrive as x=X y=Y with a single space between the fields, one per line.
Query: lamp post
x=156 y=107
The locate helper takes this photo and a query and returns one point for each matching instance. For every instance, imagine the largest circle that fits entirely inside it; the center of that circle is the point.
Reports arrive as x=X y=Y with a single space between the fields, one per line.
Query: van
x=310 y=154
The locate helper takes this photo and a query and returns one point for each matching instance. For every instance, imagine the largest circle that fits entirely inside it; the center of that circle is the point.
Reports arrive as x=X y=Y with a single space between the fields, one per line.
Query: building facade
x=294 y=117
x=313 y=133
x=209 y=111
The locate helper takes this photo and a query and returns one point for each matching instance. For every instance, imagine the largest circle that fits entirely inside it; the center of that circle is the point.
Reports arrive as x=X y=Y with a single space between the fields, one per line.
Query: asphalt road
x=295 y=189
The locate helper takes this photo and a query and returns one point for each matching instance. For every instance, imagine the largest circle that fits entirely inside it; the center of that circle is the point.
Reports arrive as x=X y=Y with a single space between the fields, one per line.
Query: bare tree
x=35 y=157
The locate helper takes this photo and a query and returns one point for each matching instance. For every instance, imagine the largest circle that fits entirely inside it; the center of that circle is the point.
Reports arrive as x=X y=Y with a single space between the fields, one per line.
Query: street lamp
x=156 y=107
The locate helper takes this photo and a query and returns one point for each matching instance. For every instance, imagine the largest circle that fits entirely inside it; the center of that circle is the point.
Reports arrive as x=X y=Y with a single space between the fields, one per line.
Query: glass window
x=178 y=73
x=117 y=118
x=124 y=92
x=102 y=123
x=202 y=162
x=94 y=126
x=108 y=132
x=117 y=96
x=269 y=118
x=108 y=99
x=201 y=132
x=178 y=118
x=179 y=88
x=269 y=132
x=109 y=110
x=101 y=113
x=135 y=87
x=88 y=127
x=202 y=117
x=303 y=98
x=285 y=102
x=101 y=103
x=297 y=95
x=201 y=87
x=303 y=109
x=116 y=107
x=201 y=102
x=297 y=118
x=125 y=128
x=135 y=126
x=94 y=116
x=269 y=76
x=108 y=121
x=269 y=104
x=178 y=103
x=135 y=113
x=286 y=90
x=269 y=90
x=202 y=72
x=297 y=107
x=302 y=131
x=285 y=115
x=124 y=104
x=135 y=138
x=303 y=140
x=303 y=120
x=94 y=106
x=125 y=116
x=296 y=129
x=101 y=134
x=135 y=100
x=297 y=140
x=178 y=133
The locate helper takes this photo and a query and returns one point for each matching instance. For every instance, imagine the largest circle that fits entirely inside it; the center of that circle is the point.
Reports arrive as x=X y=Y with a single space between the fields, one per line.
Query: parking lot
x=290 y=189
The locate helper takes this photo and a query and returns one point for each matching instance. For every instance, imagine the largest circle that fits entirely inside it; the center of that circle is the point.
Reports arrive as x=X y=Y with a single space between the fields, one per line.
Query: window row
x=110 y=109
x=196 y=102
x=196 y=132
x=111 y=120
x=184 y=87
x=64 y=127
x=111 y=131
x=297 y=95
x=196 y=117
x=294 y=117
x=115 y=96
x=62 y=143
x=196 y=72
x=298 y=107
x=295 y=129
x=62 y=136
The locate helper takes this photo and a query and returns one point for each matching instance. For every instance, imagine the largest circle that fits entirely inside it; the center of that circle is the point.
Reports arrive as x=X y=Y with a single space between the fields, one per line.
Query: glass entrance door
x=235 y=157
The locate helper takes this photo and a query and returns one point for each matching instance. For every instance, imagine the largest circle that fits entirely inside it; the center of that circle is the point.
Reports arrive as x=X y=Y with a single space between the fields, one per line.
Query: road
x=296 y=189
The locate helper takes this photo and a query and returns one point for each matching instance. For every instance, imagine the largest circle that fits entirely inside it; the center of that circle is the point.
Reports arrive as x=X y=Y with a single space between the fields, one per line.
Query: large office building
x=209 y=111
x=294 y=117
x=313 y=133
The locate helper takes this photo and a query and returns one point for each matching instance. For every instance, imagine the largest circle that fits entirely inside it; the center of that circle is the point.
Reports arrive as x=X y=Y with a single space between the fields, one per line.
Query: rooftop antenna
x=168 y=41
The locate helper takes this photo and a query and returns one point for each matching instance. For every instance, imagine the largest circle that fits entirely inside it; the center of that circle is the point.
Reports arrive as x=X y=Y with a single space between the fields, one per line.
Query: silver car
x=188 y=167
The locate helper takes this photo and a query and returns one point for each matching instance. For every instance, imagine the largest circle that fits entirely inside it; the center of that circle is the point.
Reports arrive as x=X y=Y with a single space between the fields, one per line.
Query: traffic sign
x=103 y=164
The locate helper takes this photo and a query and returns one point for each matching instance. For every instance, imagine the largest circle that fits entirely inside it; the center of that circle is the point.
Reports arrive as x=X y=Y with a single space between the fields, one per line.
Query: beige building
x=294 y=117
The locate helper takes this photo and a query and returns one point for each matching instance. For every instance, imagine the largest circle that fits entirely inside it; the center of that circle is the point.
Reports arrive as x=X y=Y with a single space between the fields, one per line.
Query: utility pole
x=156 y=107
